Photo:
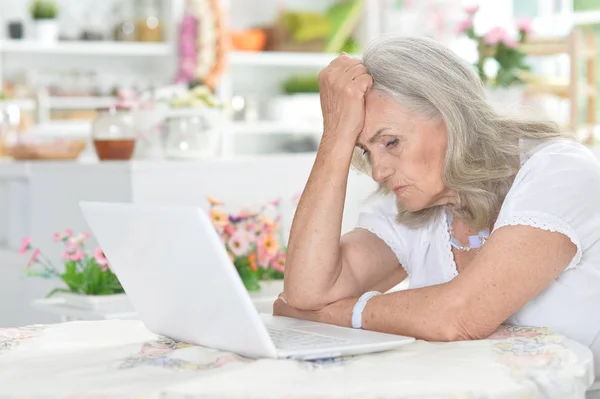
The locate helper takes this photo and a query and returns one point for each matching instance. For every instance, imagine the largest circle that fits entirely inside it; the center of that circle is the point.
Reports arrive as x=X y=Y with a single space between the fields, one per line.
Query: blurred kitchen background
x=169 y=101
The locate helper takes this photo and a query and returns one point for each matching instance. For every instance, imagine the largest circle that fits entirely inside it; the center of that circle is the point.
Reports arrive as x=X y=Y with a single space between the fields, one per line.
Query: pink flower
x=278 y=263
x=73 y=253
x=275 y=202
x=228 y=230
x=268 y=223
x=238 y=244
x=264 y=257
x=525 y=25
x=100 y=258
x=246 y=213
x=510 y=42
x=34 y=256
x=62 y=236
x=472 y=9
x=25 y=245
x=464 y=26
x=256 y=231
x=78 y=239
x=495 y=36
x=77 y=255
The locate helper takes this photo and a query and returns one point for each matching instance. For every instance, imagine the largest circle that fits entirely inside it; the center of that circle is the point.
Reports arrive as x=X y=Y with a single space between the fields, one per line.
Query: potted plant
x=88 y=280
x=252 y=240
x=500 y=62
x=44 y=14
x=299 y=101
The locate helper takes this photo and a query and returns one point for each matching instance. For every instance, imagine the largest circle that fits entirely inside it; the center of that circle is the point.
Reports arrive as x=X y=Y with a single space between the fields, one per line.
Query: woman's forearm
x=313 y=259
x=424 y=313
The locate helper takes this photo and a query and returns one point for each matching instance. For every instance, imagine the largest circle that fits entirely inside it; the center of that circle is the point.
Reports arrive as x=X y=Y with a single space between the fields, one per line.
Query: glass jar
x=124 y=30
x=114 y=133
x=148 y=26
x=189 y=134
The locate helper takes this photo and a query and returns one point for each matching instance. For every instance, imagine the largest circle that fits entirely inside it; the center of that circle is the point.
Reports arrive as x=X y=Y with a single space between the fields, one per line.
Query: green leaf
x=252 y=285
x=250 y=278
x=74 y=281
x=44 y=9
x=70 y=267
x=96 y=278
x=242 y=263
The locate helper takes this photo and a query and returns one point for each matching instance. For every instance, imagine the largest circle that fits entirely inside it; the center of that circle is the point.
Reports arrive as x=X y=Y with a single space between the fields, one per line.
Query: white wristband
x=360 y=306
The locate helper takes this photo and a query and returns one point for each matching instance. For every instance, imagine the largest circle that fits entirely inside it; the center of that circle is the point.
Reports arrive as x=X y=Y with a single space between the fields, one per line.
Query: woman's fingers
x=343 y=85
x=356 y=71
x=283 y=297
x=338 y=68
x=364 y=82
x=344 y=62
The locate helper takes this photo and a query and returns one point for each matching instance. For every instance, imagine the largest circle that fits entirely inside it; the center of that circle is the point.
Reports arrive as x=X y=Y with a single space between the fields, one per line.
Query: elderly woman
x=492 y=219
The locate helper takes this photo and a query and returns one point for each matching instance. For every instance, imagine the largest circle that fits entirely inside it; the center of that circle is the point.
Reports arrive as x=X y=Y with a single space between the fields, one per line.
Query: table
x=122 y=359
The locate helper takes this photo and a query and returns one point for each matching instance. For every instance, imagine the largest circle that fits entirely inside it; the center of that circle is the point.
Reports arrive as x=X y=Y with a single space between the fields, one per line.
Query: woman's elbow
x=456 y=333
x=303 y=302
x=464 y=326
x=302 y=299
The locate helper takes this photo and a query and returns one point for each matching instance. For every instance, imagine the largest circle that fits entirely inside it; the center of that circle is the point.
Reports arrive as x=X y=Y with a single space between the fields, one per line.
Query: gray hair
x=483 y=151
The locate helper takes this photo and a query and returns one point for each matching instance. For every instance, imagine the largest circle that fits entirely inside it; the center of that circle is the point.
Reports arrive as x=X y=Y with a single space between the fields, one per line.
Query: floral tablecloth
x=122 y=359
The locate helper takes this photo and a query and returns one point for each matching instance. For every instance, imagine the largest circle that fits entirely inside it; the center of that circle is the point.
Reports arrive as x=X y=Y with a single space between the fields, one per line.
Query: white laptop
x=182 y=284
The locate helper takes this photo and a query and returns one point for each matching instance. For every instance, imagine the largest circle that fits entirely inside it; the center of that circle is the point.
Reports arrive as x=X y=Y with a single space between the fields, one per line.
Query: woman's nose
x=381 y=171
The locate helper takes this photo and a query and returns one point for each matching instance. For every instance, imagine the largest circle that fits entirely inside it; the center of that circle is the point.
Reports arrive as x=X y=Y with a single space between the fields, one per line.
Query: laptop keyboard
x=294 y=339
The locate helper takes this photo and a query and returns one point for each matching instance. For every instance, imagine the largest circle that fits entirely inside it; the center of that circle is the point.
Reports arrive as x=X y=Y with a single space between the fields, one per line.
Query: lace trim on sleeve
x=546 y=222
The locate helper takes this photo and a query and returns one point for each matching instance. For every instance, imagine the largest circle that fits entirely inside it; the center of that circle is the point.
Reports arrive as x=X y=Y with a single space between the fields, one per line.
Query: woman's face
x=406 y=152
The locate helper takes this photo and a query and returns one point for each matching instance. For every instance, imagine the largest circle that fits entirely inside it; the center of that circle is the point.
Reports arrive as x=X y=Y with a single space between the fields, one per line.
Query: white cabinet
x=41 y=198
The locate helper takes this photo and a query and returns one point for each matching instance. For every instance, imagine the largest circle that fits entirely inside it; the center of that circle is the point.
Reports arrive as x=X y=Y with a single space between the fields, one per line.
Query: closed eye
x=393 y=143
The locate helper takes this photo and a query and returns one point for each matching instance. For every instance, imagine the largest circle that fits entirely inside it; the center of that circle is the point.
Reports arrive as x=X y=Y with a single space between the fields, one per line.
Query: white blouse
x=556 y=189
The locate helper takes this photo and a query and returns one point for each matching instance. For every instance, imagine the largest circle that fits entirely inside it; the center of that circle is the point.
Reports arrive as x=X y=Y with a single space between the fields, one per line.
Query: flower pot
x=269 y=289
x=302 y=108
x=112 y=303
x=46 y=30
x=15 y=30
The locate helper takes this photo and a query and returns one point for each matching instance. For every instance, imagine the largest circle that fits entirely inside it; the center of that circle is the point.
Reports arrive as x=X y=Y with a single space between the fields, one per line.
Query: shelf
x=24 y=104
x=79 y=129
x=280 y=59
x=80 y=103
x=64 y=103
x=62 y=128
x=586 y=17
x=569 y=19
x=104 y=48
x=274 y=127
x=546 y=46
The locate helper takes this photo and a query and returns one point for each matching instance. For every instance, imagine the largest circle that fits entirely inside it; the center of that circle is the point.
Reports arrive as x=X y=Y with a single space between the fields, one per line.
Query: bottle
x=148 y=26
x=124 y=30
